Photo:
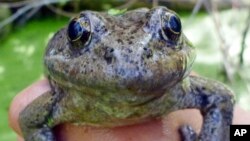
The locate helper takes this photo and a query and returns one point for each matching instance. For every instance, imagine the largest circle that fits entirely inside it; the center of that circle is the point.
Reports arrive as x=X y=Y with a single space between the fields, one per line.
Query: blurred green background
x=23 y=42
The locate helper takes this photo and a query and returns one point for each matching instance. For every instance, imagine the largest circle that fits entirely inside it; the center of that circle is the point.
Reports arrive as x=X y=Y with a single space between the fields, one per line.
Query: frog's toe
x=187 y=133
x=44 y=134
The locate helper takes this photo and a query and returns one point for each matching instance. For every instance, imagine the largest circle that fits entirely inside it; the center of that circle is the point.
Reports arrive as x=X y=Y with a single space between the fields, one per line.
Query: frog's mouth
x=119 y=77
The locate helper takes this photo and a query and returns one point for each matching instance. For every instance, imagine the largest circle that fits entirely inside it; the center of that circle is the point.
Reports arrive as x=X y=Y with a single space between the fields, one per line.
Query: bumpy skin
x=128 y=71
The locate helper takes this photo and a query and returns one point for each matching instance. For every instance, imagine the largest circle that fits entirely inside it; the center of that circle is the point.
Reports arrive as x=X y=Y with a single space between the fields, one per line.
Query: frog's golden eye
x=79 y=30
x=171 y=27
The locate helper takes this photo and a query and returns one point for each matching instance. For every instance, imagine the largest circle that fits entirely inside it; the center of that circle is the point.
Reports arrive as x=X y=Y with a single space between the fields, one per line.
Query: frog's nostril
x=109 y=54
x=147 y=52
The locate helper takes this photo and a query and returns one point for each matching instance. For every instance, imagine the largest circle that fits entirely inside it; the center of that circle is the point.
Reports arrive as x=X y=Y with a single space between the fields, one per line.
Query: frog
x=109 y=70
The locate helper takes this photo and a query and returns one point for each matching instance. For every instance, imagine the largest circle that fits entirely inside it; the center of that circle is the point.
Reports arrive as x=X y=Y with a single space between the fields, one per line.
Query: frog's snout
x=111 y=54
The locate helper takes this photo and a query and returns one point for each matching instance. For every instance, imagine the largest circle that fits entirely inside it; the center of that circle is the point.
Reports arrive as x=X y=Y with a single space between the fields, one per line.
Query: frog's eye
x=79 y=30
x=171 y=27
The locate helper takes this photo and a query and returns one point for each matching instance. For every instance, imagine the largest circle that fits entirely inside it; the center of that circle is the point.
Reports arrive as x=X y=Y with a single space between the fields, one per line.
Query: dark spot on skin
x=67 y=56
x=134 y=30
x=148 y=52
x=144 y=70
x=81 y=71
x=122 y=32
x=127 y=58
x=60 y=36
x=198 y=90
x=120 y=71
x=66 y=71
x=137 y=68
x=100 y=29
x=60 y=49
x=109 y=55
x=203 y=88
x=129 y=50
x=105 y=29
x=202 y=100
x=113 y=27
x=120 y=41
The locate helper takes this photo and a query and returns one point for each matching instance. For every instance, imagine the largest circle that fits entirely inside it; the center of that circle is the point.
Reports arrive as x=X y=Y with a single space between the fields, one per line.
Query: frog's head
x=142 y=50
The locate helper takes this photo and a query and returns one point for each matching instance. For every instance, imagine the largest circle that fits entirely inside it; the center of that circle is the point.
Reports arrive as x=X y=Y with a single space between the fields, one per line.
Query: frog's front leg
x=215 y=103
x=35 y=119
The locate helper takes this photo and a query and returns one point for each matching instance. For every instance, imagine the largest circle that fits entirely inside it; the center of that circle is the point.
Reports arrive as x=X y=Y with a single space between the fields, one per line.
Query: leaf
x=116 y=12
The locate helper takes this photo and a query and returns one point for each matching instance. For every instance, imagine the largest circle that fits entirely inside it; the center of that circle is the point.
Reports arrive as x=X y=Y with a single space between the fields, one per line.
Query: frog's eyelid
x=74 y=39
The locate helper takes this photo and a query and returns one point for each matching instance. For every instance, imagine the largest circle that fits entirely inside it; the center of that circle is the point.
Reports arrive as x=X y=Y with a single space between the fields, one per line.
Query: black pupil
x=175 y=24
x=74 y=30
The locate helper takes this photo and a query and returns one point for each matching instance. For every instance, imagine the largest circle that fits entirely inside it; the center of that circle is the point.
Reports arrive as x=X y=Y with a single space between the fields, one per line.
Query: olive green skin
x=127 y=72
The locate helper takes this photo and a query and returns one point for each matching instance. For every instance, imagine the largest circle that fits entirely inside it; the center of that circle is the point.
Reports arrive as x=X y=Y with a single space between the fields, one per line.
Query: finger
x=20 y=138
x=173 y=121
x=148 y=131
x=165 y=129
x=21 y=100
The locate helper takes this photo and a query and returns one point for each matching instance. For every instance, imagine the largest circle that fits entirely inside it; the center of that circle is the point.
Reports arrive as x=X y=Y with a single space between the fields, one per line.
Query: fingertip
x=241 y=116
x=174 y=120
x=20 y=138
x=13 y=114
x=146 y=131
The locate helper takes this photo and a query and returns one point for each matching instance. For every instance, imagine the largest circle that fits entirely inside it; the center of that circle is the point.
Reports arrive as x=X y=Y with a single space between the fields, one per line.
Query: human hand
x=165 y=129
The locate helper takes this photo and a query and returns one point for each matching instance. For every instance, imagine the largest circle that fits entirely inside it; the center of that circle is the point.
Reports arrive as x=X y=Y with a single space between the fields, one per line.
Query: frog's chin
x=120 y=122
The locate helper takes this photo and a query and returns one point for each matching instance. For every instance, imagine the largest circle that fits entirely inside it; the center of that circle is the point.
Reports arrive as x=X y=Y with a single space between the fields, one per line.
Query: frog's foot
x=187 y=133
x=43 y=134
x=215 y=103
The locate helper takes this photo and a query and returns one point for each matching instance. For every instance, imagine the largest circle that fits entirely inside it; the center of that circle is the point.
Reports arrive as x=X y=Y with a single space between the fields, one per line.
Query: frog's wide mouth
x=153 y=77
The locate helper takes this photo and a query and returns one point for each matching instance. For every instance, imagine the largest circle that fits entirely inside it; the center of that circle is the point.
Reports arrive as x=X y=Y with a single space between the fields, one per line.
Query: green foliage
x=21 y=58
x=115 y=12
x=64 y=2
